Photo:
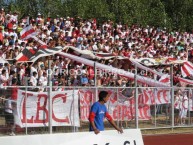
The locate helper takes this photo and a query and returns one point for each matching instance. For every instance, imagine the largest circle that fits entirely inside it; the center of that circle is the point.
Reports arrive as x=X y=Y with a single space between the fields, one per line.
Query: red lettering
x=87 y=97
x=152 y=96
x=146 y=110
x=41 y=108
x=24 y=119
x=65 y=119
x=115 y=113
x=146 y=96
x=113 y=98
x=140 y=115
x=160 y=94
x=140 y=99
x=125 y=113
x=165 y=95
x=84 y=112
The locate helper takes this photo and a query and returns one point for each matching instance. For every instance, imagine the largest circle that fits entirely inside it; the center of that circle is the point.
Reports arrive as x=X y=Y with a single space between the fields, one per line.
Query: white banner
x=120 y=108
x=156 y=96
x=121 y=72
x=110 y=137
x=32 y=109
x=87 y=98
x=190 y=107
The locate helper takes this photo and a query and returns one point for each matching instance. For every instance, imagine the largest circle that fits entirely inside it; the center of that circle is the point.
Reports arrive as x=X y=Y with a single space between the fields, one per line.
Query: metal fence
x=132 y=107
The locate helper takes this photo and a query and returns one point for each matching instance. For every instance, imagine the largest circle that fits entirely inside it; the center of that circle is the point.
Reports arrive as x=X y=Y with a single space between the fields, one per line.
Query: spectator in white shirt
x=33 y=80
x=33 y=68
x=43 y=82
x=3 y=83
x=3 y=79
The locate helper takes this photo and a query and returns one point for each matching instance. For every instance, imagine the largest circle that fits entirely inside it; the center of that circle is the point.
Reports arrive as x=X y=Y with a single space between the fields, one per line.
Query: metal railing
x=66 y=109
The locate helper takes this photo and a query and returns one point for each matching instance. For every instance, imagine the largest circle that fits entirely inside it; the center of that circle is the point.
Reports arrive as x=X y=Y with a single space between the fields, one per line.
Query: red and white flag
x=43 y=44
x=26 y=54
x=31 y=54
x=27 y=32
x=184 y=82
x=187 y=69
x=165 y=79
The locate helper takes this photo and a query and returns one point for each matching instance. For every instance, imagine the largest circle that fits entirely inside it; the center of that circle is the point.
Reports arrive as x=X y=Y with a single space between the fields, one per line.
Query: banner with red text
x=32 y=109
x=123 y=108
x=156 y=96
x=87 y=98
x=119 y=107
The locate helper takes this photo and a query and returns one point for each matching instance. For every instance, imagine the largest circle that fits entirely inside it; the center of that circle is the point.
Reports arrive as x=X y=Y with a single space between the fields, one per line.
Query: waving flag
x=43 y=44
x=165 y=79
x=27 y=32
x=26 y=54
x=81 y=53
x=141 y=79
x=30 y=54
x=46 y=52
x=187 y=69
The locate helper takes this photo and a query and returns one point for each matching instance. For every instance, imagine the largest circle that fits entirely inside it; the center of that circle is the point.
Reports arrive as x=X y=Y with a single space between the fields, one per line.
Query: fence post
x=155 y=110
x=136 y=100
x=188 y=95
x=49 y=96
x=172 y=94
x=119 y=111
x=74 y=128
x=95 y=82
x=95 y=75
x=26 y=85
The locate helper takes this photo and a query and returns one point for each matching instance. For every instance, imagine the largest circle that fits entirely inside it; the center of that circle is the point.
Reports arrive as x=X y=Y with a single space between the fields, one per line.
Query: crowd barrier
x=66 y=109
x=110 y=137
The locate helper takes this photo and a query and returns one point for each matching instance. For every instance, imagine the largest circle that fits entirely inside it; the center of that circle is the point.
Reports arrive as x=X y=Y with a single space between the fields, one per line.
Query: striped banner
x=29 y=54
x=26 y=54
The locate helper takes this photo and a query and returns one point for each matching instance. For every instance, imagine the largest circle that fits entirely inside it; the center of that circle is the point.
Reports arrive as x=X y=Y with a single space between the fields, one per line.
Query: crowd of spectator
x=85 y=34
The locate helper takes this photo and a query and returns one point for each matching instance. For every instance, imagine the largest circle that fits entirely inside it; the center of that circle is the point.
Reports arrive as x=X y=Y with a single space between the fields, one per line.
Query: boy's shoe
x=12 y=134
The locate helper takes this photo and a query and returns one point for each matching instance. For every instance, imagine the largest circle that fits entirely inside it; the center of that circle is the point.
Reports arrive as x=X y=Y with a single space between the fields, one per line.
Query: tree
x=173 y=14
